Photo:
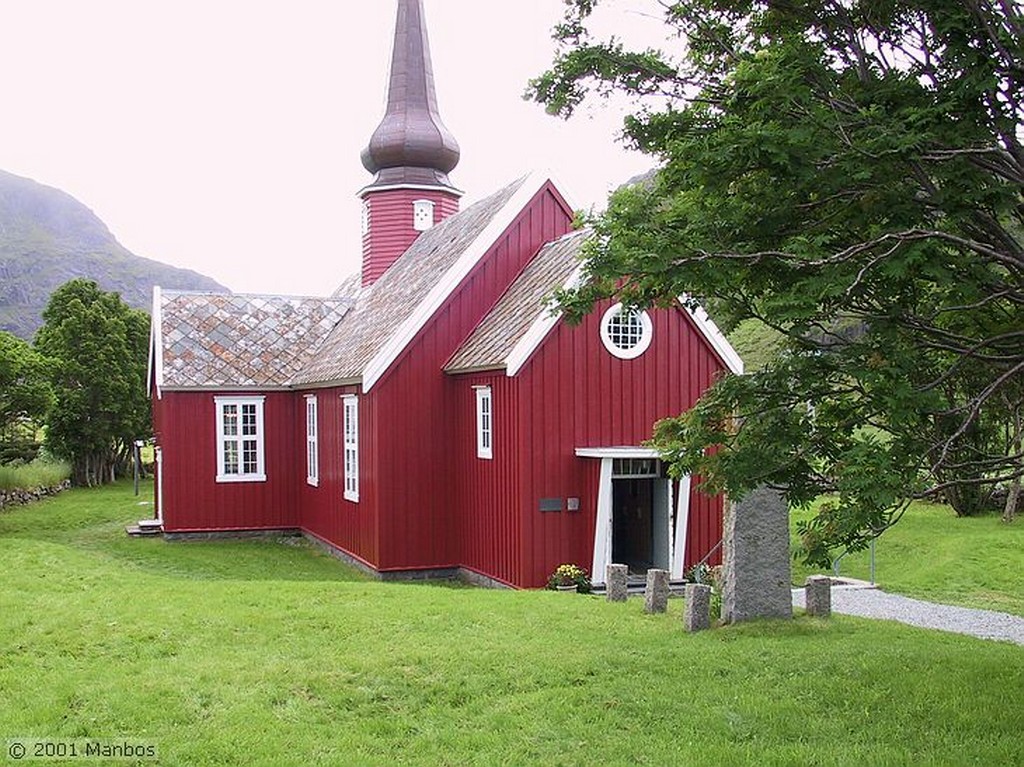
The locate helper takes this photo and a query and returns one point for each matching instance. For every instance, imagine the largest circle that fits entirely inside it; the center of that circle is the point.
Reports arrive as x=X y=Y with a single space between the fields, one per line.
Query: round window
x=626 y=333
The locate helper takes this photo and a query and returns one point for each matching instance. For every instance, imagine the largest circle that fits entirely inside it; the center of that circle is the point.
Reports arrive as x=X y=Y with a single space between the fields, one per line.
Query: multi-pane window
x=626 y=333
x=312 y=453
x=240 y=439
x=484 y=422
x=350 y=434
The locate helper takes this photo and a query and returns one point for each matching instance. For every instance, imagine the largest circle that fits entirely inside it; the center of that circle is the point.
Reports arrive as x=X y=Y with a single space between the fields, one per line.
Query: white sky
x=224 y=135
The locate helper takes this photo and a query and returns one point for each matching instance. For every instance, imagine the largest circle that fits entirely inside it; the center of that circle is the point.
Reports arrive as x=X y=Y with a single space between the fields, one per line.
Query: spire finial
x=411 y=145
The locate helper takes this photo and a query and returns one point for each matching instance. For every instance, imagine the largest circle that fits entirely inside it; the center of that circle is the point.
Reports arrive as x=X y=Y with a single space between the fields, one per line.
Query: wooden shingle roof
x=216 y=340
x=490 y=346
x=384 y=307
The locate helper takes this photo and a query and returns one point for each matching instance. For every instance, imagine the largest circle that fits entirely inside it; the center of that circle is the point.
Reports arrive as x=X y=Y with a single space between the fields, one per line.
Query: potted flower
x=569 y=577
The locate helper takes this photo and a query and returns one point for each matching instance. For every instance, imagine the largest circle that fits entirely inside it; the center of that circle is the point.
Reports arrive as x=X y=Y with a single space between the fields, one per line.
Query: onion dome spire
x=411 y=146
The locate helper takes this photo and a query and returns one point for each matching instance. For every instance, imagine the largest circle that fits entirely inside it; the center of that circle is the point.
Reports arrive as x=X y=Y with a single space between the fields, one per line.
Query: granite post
x=757 y=575
x=615 y=582
x=818 y=596
x=656 y=596
x=697 y=610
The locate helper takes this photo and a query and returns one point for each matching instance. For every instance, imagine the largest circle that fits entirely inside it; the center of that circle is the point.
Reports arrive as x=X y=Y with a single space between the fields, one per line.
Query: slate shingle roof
x=220 y=340
x=382 y=307
x=490 y=344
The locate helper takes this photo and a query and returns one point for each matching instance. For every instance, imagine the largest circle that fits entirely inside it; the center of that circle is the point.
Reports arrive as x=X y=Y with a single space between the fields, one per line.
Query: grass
x=935 y=555
x=39 y=473
x=270 y=653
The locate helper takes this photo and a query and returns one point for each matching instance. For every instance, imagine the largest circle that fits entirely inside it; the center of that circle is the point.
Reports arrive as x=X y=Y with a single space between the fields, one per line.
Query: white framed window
x=350 y=440
x=484 y=422
x=422 y=215
x=312 y=447
x=240 y=439
x=626 y=333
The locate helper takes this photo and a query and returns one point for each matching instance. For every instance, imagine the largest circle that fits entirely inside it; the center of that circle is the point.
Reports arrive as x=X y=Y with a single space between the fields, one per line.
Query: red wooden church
x=433 y=417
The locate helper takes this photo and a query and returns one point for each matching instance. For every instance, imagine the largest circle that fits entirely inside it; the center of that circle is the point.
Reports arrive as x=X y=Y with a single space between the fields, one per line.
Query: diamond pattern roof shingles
x=384 y=306
x=235 y=340
x=491 y=343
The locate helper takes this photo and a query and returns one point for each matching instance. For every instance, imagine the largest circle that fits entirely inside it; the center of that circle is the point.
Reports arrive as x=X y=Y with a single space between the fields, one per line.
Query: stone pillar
x=818 y=596
x=697 y=611
x=757 y=575
x=615 y=582
x=656 y=596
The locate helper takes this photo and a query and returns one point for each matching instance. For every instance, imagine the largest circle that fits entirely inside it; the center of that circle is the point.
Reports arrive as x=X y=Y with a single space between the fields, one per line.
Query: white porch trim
x=603 y=529
x=682 y=525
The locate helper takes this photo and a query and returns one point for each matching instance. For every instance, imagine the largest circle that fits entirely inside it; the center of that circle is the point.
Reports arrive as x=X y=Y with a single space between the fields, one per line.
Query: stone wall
x=9 y=498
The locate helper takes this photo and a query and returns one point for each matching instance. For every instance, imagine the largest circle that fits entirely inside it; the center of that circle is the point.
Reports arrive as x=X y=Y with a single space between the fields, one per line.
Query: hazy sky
x=224 y=135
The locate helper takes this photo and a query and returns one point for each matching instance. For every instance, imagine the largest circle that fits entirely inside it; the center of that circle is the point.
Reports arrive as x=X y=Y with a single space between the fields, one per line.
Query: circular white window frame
x=646 y=334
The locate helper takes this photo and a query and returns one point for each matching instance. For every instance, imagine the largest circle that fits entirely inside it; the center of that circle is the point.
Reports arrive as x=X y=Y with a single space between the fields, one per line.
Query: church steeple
x=411 y=145
x=411 y=152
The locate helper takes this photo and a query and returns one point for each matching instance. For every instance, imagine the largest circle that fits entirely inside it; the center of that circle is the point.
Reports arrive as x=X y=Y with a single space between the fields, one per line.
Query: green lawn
x=933 y=554
x=269 y=653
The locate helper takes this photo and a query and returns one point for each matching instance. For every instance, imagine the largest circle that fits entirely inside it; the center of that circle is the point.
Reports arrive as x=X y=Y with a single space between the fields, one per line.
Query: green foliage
x=98 y=346
x=41 y=472
x=25 y=393
x=935 y=555
x=570 y=575
x=850 y=176
x=267 y=653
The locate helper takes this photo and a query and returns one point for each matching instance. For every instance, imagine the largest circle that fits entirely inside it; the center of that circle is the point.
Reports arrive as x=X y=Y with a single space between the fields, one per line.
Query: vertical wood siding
x=410 y=409
x=324 y=512
x=193 y=499
x=575 y=394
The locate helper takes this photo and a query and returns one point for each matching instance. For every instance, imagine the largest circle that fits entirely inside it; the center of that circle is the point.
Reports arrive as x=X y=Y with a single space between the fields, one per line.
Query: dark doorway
x=633 y=523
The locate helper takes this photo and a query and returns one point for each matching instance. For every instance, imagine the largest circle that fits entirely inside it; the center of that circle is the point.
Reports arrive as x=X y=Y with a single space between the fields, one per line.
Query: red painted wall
x=391 y=230
x=488 y=492
x=193 y=500
x=324 y=511
x=575 y=394
x=408 y=411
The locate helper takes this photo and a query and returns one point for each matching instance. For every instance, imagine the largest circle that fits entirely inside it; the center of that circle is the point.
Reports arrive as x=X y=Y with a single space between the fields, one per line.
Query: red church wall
x=324 y=511
x=410 y=405
x=487 y=492
x=193 y=500
x=392 y=231
x=576 y=394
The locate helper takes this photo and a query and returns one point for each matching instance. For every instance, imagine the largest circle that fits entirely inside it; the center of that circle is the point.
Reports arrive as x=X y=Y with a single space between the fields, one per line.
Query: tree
x=850 y=173
x=25 y=396
x=98 y=347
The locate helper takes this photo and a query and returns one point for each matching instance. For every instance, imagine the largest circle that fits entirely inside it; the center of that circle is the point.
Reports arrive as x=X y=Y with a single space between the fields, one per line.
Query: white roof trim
x=400 y=339
x=155 y=369
x=417 y=187
x=539 y=330
x=625 y=451
x=715 y=337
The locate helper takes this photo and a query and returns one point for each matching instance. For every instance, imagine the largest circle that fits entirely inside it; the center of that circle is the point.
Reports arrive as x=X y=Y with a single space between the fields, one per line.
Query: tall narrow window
x=484 y=422
x=240 y=439
x=312 y=452
x=350 y=431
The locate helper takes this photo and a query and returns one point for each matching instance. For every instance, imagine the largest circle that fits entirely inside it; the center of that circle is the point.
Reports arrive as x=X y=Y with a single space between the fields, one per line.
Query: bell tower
x=411 y=153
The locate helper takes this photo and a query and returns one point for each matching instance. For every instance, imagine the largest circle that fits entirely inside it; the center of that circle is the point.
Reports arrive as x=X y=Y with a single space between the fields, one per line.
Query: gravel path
x=874 y=603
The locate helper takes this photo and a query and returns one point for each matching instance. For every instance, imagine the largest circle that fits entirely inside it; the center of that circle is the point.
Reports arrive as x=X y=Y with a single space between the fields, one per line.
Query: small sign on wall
x=573 y=504
x=550 y=504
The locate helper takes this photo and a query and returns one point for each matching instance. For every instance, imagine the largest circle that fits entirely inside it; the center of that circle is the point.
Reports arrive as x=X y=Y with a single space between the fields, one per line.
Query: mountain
x=47 y=237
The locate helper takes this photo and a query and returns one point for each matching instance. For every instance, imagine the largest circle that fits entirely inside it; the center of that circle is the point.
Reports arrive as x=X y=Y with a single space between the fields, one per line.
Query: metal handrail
x=836 y=562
